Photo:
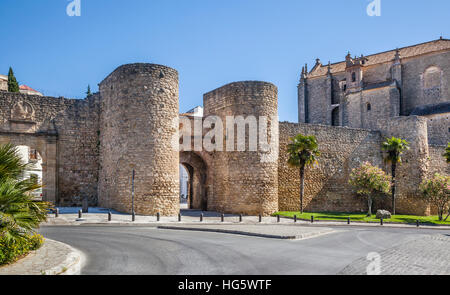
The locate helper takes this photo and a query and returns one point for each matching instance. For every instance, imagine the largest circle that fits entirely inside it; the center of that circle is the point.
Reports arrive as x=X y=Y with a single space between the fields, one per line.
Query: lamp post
x=132 y=192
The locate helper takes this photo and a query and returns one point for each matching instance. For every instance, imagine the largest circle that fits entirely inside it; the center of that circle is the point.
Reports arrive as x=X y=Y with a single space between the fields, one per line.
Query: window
x=33 y=154
x=353 y=77
x=369 y=107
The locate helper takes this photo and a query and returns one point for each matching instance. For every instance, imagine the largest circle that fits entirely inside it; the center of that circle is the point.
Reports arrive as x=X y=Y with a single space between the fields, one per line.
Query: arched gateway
x=197 y=188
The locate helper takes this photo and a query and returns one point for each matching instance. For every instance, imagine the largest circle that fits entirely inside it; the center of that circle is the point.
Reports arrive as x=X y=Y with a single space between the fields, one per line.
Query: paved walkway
x=99 y=216
x=425 y=256
x=275 y=231
x=53 y=258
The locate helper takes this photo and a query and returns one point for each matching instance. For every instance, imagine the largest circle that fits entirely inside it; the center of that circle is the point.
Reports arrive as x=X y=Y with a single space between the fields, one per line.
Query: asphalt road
x=151 y=251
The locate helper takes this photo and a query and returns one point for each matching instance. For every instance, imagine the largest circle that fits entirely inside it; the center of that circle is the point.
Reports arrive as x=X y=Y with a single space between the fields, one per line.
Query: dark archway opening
x=193 y=181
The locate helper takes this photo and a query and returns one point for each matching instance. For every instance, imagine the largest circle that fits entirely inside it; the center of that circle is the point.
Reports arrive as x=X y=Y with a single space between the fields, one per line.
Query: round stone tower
x=139 y=114
x=245 y=181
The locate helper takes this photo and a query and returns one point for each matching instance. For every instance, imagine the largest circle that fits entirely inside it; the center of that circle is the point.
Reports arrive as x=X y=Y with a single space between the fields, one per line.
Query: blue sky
x=209 y=42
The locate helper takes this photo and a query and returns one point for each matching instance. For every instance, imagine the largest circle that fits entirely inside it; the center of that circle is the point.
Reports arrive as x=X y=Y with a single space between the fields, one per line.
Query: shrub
x=10 y=251
x=370 y=181
x=437 y=192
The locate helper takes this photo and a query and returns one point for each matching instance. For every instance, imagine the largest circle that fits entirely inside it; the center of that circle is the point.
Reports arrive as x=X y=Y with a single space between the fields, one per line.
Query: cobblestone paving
x=426 y=256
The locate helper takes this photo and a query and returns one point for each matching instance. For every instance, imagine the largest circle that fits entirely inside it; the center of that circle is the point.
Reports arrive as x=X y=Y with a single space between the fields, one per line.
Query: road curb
x=71 y=265
x=248 y=233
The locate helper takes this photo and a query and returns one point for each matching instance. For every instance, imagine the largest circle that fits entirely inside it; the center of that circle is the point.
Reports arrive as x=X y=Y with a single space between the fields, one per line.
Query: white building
x=33 y=158
x=195 y=112
x=3 y=83
x=28 y=90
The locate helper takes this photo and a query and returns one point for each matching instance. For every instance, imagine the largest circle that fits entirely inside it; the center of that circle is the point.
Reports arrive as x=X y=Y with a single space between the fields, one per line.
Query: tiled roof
x=25 y=87
x=432 y=109
x=410 y=51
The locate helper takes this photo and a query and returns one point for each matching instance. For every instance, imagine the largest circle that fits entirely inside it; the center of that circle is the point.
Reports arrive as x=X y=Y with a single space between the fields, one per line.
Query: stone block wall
x=139 y=121
x=72 y=125
x=78 y=152
x=414 y=167
x=245 y=181
x=326 y=184
x=364 y=109
x=437 y=162
x=414 y=89
x=439 y=129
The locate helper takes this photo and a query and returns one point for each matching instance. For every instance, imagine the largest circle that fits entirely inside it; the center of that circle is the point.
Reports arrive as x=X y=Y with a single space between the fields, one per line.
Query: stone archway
x=45 y=144
x=197 y=184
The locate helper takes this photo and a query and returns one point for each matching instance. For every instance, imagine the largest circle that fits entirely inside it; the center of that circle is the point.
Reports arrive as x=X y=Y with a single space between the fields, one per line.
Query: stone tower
x=139 y=120
x=245 y=181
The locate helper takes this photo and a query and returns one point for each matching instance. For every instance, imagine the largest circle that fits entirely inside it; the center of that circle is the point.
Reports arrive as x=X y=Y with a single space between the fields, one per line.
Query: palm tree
x=447 y=153
x=394 y=148
x=19 y=214
x=303 y=151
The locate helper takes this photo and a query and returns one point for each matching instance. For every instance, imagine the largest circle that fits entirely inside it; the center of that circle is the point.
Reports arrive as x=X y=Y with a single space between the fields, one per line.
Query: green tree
x=303 y=151
x=13 y=86
x=88 y=92
x=447 y=153
x=437 y=192
x=394 y=148
x=19 y=214
x=370 y=182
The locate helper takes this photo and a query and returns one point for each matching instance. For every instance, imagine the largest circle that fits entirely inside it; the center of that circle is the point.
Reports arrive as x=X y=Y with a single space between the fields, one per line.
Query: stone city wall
x=326 y=184
x=243 y=182
x=139 y=120
x=70 y=129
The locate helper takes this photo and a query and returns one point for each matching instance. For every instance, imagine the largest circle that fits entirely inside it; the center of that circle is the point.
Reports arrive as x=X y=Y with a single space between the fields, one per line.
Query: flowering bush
x=370 y=181
x=437 y=192
x=10 y=251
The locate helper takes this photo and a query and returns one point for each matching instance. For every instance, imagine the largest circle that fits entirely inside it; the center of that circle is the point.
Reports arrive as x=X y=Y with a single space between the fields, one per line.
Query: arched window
x=369 y=107
x=432 y=77
x=335 y=117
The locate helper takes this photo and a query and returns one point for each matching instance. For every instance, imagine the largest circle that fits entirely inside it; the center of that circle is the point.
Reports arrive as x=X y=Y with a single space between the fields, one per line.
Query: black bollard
x=158 y=216
x=56 y=213
x=295 y=218
x=312 y=219
x=179 y=217
x=260 y=218
x=381 y=221
x=418 y=223
x=278 y=218
x=201 y=217
x=222 y=217
x=80 y=214
x=348 y=220
x=133 y=216
x=109 y=216
x=240 y=217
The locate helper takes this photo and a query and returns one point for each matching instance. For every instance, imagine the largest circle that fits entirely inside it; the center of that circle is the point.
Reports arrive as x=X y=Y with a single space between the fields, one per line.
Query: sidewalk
x=99 y=216
x=53 y=258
